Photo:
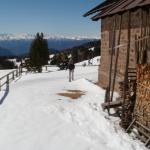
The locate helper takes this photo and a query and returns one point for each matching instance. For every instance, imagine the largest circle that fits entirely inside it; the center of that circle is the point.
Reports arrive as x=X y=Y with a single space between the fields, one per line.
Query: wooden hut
x=125 y=57
x=122 y=21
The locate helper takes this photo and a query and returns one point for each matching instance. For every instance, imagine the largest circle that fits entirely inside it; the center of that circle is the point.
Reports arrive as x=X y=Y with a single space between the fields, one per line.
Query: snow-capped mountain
x=27 y=36
x=20 y=43
x=16 y=36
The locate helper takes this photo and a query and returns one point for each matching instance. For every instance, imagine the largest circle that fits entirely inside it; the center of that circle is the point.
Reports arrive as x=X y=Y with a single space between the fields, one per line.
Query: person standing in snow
x=71 y=68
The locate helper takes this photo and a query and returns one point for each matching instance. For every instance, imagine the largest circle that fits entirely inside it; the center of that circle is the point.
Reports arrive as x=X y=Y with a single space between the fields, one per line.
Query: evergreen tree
x=39 y=54
x=74 y=54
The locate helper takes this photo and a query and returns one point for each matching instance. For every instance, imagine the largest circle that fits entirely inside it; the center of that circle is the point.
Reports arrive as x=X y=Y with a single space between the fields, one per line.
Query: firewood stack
x=142 y=107
x=129 y=98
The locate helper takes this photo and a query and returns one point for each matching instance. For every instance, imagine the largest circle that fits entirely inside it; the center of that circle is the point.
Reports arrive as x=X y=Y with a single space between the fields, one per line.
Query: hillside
x=86 y=51
x=5 y=52
x=80 y=53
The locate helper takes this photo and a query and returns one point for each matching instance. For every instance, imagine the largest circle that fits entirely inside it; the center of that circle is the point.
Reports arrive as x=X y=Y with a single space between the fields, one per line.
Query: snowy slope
x=94 y=61
x=34 y=117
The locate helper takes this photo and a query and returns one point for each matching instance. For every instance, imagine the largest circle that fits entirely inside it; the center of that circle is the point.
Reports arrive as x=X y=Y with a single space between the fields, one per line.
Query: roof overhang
x=110 y=7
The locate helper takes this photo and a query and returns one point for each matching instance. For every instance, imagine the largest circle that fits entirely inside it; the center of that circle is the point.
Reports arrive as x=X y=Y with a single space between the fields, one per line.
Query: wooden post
x=124 y=122
x=13 y=75
x=0 y=85
x=128 y=129
x=149 y=30
x=142 y=35
x=147 y=142
x=16 y=73
x=111 y=60
x=144 y=52
x=21 y=69
x=136 y=49
x=7 y=82
x=116 y=61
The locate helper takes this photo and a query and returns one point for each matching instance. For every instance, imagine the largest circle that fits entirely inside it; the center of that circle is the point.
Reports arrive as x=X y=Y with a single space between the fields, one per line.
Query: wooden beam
x=113 y=104
x=144 y=127
x=128 y=129
x=125 y=88
x=116 y=60
x=111 y=60
x=147 y=142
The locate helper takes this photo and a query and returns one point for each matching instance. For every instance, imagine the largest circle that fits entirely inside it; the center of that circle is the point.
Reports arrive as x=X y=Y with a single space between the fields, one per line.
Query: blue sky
x=56 y=17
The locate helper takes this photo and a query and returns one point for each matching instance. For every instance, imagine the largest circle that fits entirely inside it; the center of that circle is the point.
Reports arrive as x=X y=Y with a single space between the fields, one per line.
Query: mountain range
x=18 y=44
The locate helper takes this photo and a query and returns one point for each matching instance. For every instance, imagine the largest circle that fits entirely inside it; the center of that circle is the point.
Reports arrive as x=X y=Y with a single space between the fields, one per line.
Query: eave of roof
x=104 y=4
x=115 y=6
x=120 y=7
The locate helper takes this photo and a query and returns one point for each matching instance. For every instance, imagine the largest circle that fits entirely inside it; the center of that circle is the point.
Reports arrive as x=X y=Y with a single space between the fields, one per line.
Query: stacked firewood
x=128 y=104
x=142 y=107
x=143 y=73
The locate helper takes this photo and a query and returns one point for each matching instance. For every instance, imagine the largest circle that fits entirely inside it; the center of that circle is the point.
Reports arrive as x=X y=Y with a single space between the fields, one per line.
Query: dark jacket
x=71 y=65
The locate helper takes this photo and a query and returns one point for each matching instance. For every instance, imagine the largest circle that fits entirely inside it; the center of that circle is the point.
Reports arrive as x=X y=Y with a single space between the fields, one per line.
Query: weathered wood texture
x=142 y=106
x=139 y=27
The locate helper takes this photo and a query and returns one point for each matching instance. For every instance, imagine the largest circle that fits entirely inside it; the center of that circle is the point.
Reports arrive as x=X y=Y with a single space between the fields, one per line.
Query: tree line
x=80 y=53
x=5 y=63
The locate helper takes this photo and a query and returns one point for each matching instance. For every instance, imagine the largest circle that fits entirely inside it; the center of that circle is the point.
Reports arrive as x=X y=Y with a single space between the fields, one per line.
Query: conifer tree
x=39 y=54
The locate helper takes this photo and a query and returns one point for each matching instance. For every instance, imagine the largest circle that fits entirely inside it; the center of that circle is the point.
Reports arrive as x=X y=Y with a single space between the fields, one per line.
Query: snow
x=26 y=36
x=34 y=117
x=51 y=56
x=94 y=61
x=91 y=49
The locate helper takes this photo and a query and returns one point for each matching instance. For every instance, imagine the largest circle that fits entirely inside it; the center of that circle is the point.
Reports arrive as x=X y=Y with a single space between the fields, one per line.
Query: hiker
x=71 y=68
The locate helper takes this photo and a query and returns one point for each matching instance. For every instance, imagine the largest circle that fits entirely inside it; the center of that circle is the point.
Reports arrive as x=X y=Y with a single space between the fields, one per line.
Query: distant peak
x=27 y=36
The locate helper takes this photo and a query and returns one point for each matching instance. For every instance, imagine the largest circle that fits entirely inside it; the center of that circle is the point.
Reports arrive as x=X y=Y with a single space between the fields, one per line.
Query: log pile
x=129 y=97
x=142 y=106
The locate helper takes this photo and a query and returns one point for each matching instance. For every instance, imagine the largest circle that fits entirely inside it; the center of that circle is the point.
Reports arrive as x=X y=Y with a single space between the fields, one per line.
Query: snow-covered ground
x=34 y=117
x=94 y=61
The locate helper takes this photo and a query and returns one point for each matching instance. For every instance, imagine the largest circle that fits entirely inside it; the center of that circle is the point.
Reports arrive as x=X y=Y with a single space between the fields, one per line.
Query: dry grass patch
x=73 y=94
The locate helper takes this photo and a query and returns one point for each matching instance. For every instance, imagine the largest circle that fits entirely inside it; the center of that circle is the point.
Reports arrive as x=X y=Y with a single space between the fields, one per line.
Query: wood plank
x=113 y=104
x=143 y=126
x=131 y=71
x=111 y=57
x=131 y=68
x=144 y=135
x=128 y=129
x=147 y=142
x=142 y=132
x=116 y=61
x=140 y=137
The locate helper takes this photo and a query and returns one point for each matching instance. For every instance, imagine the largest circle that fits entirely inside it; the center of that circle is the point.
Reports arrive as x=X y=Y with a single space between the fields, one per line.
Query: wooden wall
x=110 y=37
